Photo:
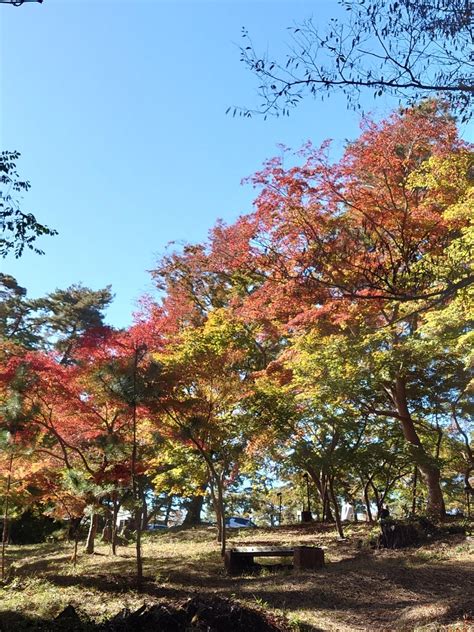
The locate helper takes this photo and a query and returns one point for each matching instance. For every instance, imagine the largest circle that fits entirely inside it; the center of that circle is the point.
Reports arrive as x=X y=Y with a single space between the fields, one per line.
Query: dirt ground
x=430 y=588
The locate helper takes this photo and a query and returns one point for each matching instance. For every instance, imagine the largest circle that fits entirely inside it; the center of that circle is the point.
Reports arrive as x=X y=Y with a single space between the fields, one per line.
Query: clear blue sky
x=118 y=108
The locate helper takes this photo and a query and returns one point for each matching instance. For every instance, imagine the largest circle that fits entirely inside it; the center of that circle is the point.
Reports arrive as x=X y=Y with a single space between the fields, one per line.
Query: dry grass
x=429 y=588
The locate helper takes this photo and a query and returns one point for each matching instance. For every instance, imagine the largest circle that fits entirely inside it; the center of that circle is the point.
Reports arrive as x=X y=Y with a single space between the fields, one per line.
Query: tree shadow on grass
x=20 y=622
x=370 y=591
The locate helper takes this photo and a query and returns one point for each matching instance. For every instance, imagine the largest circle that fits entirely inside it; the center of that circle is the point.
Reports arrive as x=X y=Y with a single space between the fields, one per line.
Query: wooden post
x=308 y=557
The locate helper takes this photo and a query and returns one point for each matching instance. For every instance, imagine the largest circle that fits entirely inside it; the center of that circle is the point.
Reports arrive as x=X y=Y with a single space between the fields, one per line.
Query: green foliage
x=18 y=230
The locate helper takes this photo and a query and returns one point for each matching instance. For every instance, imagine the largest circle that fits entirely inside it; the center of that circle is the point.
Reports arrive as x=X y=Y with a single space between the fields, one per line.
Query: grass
x=429 y=588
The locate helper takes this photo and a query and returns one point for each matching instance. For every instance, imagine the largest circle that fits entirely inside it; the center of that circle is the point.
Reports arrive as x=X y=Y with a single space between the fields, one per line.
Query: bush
x=32 y=528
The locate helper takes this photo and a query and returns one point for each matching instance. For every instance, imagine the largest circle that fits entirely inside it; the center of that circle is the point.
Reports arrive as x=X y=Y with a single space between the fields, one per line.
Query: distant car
x=156 y=527
x=239 y=523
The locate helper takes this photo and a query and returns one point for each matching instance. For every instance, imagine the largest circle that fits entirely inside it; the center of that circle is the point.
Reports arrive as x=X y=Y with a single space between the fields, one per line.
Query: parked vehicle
x=156 y=527
x=235 y=522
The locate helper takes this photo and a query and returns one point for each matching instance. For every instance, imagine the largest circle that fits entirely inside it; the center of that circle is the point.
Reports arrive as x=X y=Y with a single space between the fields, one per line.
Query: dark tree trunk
x=89 y=548
x=144 y=522
x=378 y=501
x=73 y=534
x=322 y=487
x=220 y=501
x=74 y=553
x=194 y=508
x=327 y=513
x=413 y=501
x=6 y=514
x=367 y=503
x=138 y=545
x=428 y=468
x=336 y=508
x=115 y=510
x=169 y=506
x=216 y=506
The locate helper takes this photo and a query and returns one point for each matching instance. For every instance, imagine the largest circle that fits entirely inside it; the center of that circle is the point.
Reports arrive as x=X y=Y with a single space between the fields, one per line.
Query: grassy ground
x=429 y=588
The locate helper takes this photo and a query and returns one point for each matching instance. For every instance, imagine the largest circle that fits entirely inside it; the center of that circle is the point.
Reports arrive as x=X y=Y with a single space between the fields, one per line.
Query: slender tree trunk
x=138 y=545
x=378 y=502
x=115 y=510
x=413 y=492
x=430 y=471
x=336 y=507
x=6 y=513
x=216 y=506
x=137 y=499
x=168 y=510
x=367 y=503
x=73 y=534
x=89 y=548
x=218 y=480
x=76 y=545
x=144 y=522
x=220 y=500
x=322 y=490
x=327 y=513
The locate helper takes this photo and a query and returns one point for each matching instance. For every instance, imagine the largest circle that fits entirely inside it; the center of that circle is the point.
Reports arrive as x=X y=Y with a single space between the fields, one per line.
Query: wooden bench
x=241 y=559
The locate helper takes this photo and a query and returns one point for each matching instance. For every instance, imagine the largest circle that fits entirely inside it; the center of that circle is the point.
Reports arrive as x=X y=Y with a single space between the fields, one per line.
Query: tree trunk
x=413 y=500
x=220 y=500
x=89 y=548
x=6 y=514
x=428 y=468
x=73 y=534
x=137 y=491
x=322 y=487
x=336 y=508
x=138 y=545
x=115 y=510
x=327 y=513
x=215 y=504
x=378 y=502
x=169 y=506
x=367 y=503
x=144 y=522
x=194 y=508
x=74 y=553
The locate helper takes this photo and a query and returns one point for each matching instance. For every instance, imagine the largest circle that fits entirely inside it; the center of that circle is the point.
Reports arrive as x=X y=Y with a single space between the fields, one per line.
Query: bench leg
x=308 y=557
x=237 y=564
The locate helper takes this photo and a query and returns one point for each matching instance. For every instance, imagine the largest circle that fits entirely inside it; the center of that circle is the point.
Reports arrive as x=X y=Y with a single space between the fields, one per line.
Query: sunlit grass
x=360 y=588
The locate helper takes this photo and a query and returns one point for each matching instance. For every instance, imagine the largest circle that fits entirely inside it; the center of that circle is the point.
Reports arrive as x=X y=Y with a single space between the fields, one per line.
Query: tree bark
x=336 y=508
x=367 y=503
x=220 y=500
x=115 y=510
x=413 y=492
x=89 y=548
x=73 y=534
x=145 y=520
x=169 y=506
x=74 y=553
x=194 y=508
x=426 y=465
x=322 y=487
x=6 y=514
x=327 y=513
x=138 y=545
x=215 y=504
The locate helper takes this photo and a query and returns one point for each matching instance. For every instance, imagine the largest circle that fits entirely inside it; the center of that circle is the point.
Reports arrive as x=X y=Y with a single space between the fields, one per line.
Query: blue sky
x=118 y=108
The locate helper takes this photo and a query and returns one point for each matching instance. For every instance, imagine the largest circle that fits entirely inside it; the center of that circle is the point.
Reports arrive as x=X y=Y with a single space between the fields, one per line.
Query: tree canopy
x=327 y=332
x=412 y=49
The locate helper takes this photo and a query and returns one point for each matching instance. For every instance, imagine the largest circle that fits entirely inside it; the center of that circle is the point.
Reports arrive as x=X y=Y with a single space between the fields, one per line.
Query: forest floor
x=429 y=588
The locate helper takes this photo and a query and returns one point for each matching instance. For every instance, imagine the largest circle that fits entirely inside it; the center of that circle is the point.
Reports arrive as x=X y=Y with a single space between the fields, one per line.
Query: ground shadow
x=379 y=590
